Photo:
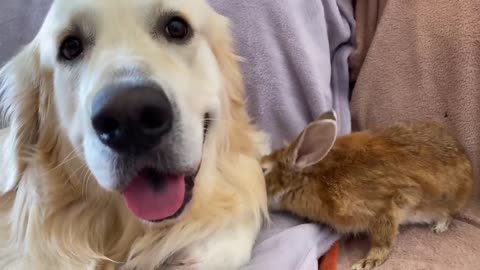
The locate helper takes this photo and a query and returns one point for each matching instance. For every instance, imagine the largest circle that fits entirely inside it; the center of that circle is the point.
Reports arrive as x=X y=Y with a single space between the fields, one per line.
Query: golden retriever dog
x=128 y=145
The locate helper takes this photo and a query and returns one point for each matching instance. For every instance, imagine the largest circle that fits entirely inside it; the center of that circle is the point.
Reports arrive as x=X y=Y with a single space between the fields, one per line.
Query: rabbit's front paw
x=441 y=225
x=366 y=264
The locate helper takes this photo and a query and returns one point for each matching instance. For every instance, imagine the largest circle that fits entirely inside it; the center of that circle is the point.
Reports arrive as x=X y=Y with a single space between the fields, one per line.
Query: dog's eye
x=177 y=29
x=71 y=48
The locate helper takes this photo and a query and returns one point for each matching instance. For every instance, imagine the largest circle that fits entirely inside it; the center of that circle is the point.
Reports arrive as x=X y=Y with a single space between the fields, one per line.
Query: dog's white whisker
x=84 y=182
x=67 y=159
x=73 y=174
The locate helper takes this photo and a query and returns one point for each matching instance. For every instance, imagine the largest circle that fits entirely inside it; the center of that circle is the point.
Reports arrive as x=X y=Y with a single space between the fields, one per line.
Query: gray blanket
x=295 y=64
x=295 y=67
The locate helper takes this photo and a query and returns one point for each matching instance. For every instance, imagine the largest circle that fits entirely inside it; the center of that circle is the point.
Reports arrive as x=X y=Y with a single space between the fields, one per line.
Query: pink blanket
x=423 y=62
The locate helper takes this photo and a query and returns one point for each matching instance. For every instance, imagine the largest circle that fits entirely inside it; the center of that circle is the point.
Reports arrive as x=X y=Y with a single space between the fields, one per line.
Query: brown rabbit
x=371 y=181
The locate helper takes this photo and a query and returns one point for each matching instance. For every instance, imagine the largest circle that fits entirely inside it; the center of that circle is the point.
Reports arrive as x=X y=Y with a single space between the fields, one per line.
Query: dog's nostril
x=153 y=118
x=106 y=127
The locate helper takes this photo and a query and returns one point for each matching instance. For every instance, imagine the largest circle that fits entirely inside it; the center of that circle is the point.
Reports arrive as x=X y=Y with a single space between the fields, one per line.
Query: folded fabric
x=367 y=17
x=290 y=244
x=424 y=62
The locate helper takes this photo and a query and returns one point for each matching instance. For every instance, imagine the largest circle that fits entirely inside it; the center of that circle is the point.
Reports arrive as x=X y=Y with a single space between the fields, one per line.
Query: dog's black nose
x=131 y=118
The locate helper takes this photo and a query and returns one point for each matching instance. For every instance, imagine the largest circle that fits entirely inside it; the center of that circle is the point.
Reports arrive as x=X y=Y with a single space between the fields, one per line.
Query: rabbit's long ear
x=19 y=105
x=315 y=142
x=329 y=115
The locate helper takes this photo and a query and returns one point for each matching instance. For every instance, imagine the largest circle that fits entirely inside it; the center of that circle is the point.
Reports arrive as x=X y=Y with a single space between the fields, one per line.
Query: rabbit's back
x=424 y=152
x=415 y=165
x=436 y=161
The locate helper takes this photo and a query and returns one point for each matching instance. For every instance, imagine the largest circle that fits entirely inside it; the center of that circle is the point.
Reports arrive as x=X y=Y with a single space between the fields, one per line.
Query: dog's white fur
x=57 y=207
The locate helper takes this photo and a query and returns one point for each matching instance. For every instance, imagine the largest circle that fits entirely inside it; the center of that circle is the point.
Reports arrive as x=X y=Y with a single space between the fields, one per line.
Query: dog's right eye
x=71 y=48
x=178 y=29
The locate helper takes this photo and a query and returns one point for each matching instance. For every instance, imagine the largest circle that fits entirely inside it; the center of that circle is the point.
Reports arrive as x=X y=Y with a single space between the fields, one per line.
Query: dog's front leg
x=228 y=249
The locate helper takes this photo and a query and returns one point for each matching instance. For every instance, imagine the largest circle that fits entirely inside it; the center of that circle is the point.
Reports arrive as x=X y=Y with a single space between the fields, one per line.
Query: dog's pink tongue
x=152 y=204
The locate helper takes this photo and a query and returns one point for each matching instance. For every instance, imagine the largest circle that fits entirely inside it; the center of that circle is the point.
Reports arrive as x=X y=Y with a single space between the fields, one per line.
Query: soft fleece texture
x=295 y=68
x=424 y=62
x=290 y=244
x=19 y=21
x=295 y=60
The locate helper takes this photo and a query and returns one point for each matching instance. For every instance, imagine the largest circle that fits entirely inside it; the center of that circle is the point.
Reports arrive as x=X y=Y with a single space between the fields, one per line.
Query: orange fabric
x=329 y=260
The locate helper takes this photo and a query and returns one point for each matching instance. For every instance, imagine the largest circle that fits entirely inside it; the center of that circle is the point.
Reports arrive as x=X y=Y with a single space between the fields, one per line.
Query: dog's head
x=132 y=86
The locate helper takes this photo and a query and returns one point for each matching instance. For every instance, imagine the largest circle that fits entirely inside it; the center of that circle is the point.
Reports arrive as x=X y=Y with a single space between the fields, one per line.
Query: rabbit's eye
x=267 y=166
x=266 y=170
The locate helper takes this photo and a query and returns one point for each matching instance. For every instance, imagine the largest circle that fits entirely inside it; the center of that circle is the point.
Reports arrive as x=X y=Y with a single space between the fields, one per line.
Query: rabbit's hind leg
x=383 y=232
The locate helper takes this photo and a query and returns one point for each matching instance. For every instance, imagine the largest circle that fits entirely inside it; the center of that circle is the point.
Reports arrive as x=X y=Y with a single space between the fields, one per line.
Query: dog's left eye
x=177 y=29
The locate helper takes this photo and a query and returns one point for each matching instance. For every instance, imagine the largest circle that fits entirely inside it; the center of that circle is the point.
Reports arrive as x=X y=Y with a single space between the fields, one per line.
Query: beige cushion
x=424 y=62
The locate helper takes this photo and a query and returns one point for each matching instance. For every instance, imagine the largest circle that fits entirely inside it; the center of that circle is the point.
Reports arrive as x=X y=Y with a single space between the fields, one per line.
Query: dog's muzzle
x=135 y=122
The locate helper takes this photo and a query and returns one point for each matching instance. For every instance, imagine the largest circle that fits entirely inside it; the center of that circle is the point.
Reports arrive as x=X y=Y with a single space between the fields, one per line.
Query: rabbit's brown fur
x=374 y=181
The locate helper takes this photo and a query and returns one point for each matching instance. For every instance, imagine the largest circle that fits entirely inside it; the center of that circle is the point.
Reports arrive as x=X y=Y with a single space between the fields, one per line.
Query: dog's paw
x=366 y=264
x=126 y=267
x=181 y=266
x=167 y=266
x=181 y=261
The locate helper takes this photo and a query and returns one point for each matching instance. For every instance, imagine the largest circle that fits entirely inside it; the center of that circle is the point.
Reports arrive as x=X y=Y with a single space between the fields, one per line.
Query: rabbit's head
x=283 y=167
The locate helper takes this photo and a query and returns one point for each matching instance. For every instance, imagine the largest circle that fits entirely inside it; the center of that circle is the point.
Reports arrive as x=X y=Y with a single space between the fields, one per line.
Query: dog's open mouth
x=153 y=195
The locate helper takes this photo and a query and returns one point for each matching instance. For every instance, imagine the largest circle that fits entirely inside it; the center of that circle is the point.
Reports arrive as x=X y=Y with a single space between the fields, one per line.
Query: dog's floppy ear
x=235 y=116
x=20 y=84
